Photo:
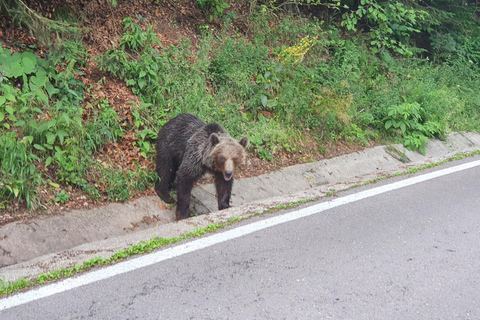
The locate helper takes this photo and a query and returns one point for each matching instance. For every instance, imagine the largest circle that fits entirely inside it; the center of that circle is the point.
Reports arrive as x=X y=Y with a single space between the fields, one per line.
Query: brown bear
x=186 y=149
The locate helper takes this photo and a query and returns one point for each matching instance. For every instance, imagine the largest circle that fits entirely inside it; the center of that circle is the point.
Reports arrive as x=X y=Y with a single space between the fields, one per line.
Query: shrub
x=235 y=63
x=410 y=119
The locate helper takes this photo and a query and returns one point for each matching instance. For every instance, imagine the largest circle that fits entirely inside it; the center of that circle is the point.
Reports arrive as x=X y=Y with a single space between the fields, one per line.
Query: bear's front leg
x=224 y=190
x=184 y=190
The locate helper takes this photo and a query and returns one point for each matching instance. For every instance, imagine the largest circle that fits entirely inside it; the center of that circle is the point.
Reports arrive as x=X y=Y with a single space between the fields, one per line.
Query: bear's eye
x=236 y=160
x=222 y=159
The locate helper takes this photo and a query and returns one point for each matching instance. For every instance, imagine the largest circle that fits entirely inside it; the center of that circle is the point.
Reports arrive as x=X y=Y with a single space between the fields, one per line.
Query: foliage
x=404 y=71
x=64 y=45
x=214 y=8
x=391 y=23
x=454 y=30
x=62 y=197
x=19 y=177
x=44 y=138
x=136 y=60
x=296 y=53
x=249 y=60
x=32 y=127
x=415 y=129
x=151 y=72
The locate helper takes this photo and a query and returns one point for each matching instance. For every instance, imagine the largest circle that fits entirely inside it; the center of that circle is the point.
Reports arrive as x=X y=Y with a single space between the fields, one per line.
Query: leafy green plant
x=214 y=8
x=296 y=53
x=31 y=125
x=415 y=130
x=42 y=126
x=146 y=137
x=134 y=38
x=354 y=134
x=235 y=62
x=138 y=62
x=19 y=177
x=62 y=197
x=270 y=81
x=392 y=23
x=262 y=153
x=104 y=126
x=68 y=51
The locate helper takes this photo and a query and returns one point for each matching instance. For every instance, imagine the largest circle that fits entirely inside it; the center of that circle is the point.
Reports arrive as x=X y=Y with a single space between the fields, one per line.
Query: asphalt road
x=410 y=253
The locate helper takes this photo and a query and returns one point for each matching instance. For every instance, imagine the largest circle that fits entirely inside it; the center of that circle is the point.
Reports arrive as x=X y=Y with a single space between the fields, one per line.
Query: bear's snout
x=228 y=175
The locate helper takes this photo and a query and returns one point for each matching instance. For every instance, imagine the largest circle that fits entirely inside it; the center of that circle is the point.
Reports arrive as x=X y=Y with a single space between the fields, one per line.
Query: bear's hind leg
x=184 y=190
x=166 y=174
x=224 y=191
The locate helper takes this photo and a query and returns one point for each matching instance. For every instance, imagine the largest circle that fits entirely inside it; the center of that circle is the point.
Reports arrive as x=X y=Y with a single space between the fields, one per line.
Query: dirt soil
x=174 y=20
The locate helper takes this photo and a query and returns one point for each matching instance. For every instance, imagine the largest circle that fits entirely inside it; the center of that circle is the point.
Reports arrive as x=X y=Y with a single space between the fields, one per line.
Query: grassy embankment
x=289 y=83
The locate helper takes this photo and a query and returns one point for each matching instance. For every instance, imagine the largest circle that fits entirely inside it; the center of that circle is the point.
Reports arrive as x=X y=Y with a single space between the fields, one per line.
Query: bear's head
x=227 y=154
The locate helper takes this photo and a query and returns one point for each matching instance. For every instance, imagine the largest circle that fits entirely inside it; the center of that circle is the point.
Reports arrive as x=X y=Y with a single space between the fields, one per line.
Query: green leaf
x=9 y=109
x=19 y=123
x=29 y=61
x=51 y=90
x=38 y=147
x=16 y=69
x=47 y=163
x=2 y=100
x=41 y=96
x=61 y=135
x=29 y=139
x=388 y=124
x=39 y=80
x=141 y=83
x=50 y=137
x=10 y=97
x=264 y=100
x=2 y=116
x=272 y=104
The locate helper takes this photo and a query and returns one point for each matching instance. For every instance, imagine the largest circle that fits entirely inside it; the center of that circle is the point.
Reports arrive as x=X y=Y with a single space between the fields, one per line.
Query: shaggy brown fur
x=186 y=149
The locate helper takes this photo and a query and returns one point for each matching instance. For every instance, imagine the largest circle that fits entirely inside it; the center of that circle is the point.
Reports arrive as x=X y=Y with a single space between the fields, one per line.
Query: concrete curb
x=52 y=243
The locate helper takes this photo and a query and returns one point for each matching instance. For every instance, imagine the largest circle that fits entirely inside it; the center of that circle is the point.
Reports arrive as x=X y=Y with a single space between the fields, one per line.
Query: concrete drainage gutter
x=51 y=243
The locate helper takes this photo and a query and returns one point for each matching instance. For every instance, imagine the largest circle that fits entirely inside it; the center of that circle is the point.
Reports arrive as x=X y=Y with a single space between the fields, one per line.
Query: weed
x=296 y=53
x=104 y=126
x=415 y=130
x=214 y=8
x=235 y=63
x=19 y=176
x=62 y=197
x=354 y=134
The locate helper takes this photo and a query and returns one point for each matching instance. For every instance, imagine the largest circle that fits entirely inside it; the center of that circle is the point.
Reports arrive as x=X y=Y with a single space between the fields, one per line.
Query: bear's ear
x=243 y=142
x=214 y=139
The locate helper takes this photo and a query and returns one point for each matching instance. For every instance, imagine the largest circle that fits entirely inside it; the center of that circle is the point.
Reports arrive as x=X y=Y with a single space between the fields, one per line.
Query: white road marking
x=162 y=255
